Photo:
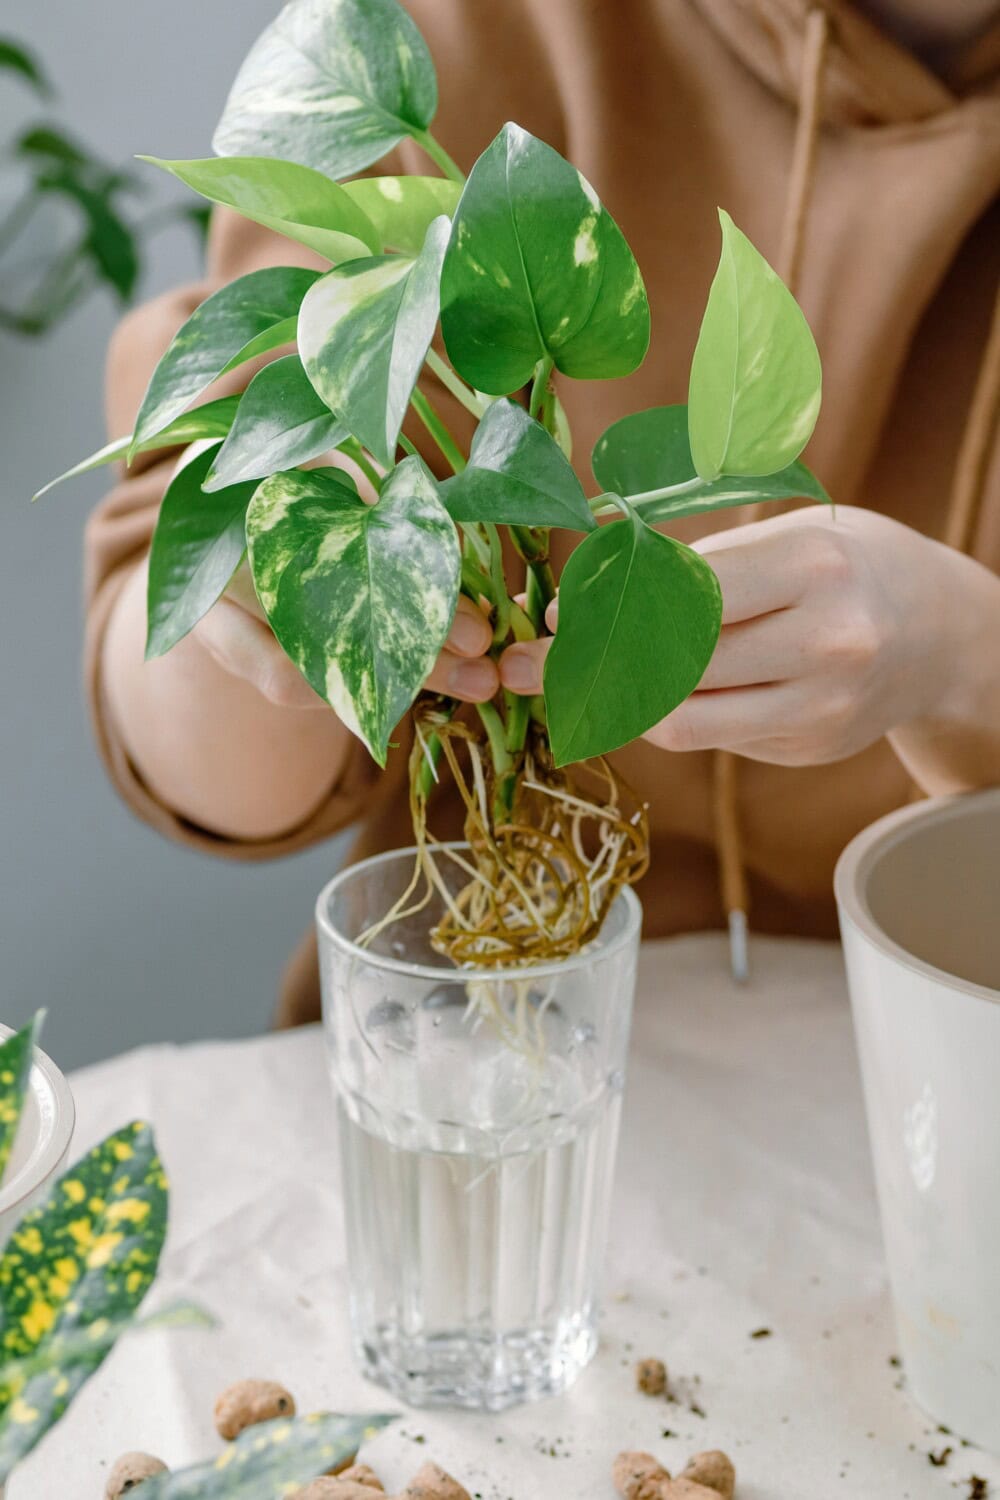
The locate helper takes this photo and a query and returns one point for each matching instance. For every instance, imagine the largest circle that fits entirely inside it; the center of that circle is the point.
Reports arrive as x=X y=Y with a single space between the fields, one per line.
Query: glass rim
x=546 y=970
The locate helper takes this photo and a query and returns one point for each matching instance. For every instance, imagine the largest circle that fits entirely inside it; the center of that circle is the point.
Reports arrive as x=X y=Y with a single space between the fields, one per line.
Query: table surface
x=744 y=1202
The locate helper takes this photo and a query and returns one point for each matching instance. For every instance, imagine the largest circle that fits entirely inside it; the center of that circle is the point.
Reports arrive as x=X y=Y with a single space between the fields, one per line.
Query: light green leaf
x=84 y=1259
x=16 y=1056
x=536 y=266
x=196 y=548
x=212 y=420
x=250 y=316
x=756 y=382
x=281 y=423
x=650 y=450
x=284 y=196
x=516 y=475
x=360 y=596
x=639 y=616
x=334 y=84
x=402 y=208
x=364 y=331
x=269 y=1461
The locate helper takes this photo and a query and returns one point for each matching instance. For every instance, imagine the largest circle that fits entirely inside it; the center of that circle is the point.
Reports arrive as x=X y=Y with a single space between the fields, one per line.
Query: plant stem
x=438 y=431
x=518 y=713
x=354 y=451
x=18 y=217
x=541 y=590
x=602 y=505
x=454 y=383
x=539 y=385
x=503 y=765
x=439 y=156
x=500 y=598
x=474 y=581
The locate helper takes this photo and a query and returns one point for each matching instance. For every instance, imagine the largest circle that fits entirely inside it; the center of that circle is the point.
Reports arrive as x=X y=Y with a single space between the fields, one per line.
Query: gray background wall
x=123 y=937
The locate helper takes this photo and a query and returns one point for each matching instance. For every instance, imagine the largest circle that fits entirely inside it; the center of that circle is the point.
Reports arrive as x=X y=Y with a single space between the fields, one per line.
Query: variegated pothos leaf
x=402 y=208
x=361 y=597
x=281 y=423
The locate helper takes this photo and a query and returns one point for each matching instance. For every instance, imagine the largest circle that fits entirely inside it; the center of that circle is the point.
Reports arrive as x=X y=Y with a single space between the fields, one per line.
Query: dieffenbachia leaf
x=334 y=84
x=537 y=266
x=212 y=420
x=516 y=475
x=361 y=597
x=756 y=382
x=281 y=423
x=16 y=1057
x=650 y=450
x=271 y=1460
x=197 y=546
x=82 y=1260
x=249 y=316
x=284 y=196
x=364 y=331
x=402 y=208
x=639 y=616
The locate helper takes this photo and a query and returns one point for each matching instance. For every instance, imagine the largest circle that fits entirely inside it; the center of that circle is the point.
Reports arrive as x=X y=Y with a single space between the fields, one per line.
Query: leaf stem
x=493 y=724
x=439 y=156
x=438 y=430
x=354 y=451
x=539 y=385
x=454 y=383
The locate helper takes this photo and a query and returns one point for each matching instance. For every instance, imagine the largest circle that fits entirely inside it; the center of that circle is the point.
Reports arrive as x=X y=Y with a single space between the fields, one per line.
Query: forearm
x=208 y=744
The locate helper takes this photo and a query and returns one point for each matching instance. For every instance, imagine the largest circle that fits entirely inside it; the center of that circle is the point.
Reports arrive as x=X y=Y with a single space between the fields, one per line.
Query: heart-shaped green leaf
x=250 y=316
x=639 y=616
x=402 y=208
x=284 y=196
x=360 y=596
x=281 y=423
x=212 y=420
x=16 y=1056
x=272 y=1459
x=196 y=548
x=364 y=331
x=650 y=450
x=756 y=382
x=536 y=266
x=516 y=475
x=334 y=84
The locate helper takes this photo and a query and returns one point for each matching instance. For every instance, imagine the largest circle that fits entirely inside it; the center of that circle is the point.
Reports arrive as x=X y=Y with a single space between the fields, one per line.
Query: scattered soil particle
x=651 y=1377
x=940 y=1458
x=895 y=1362
x=696 y=1410
x=978 y=1488
x=762 y=1333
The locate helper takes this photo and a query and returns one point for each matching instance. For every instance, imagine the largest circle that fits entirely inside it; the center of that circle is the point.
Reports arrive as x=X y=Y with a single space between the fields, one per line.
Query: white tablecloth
x=744 y=1202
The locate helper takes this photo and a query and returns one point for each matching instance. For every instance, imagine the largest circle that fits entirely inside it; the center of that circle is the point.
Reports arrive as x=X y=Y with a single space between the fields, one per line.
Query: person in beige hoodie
x=859 y=664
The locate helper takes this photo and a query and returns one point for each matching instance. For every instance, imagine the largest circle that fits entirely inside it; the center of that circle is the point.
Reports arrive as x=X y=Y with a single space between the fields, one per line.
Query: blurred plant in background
x=49 y=261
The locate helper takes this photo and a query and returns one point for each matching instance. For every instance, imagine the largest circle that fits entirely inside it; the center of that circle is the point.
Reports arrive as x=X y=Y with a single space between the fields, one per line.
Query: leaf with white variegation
x=249 y=316
x=293 y=200
x=538 y=267
x=361 y=597
x=281 y=423
x=639 y=616
x=650 y=450
x=402 y=208
x=334 y=84
x=517 y=475
x=756 y=383
x=363 y=334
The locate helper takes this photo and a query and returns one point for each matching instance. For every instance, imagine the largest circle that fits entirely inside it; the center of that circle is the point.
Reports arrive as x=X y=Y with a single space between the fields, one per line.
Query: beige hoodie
x=886 y=196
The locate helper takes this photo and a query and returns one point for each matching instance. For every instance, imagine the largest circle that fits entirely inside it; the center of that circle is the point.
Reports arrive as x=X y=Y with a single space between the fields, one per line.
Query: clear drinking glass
x=479 y=1118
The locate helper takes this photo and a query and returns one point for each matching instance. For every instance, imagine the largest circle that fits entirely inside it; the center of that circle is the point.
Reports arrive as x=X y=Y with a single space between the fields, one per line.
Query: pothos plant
x=529 y=278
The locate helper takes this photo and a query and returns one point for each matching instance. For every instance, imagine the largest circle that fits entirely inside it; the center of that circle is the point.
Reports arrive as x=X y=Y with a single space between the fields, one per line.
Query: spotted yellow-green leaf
x=281 y=423
x=649 y=450
x=67 y=1349
x=334 y=84
x=756 y=383
x=516 y=475
x=249 y=316
x=81 y=1261
x=270 y=1461
x=284 y=196
x=639 y=616
x=537 y=267
x=364 y=331
x=361 y=597
x=402 y=208
x=211 y=420
x=16 y=1056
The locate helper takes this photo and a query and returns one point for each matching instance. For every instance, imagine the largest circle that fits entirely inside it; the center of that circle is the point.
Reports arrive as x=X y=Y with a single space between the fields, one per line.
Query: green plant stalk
x=503 y=763
x=455 y=384
x=539 y=386
x=438 y=431
x=517 y=712
x=439 y=156
x=354 y=451
x=606 y=505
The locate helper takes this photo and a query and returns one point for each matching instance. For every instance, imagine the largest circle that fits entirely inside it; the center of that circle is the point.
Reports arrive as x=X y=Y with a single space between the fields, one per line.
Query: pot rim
x=50 y=1149
x=468 y=975
x=857 y=860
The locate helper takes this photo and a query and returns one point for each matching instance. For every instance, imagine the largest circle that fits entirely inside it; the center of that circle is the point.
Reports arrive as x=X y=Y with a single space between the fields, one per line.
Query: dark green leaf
x=402 y=208
x=109 y=240
x=50 y=144
x=16 y=1056
x=516 y=475
x=360 y=596
x=248 y=317
x=650 y=450
x=15 y=59
x=334 y=84
x=536 y=266
x=639 y=616
x=364 y=331
x=756 y=381
x=197 y=546
x=281 y=423
x=291 y=199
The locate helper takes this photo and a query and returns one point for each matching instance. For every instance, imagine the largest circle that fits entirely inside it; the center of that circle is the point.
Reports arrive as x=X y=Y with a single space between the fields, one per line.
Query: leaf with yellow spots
x=16 y=1055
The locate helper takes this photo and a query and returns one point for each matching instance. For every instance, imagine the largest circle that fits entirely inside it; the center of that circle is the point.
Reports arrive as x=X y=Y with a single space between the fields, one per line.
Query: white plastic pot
x=43 y=1140
x=919 y=901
